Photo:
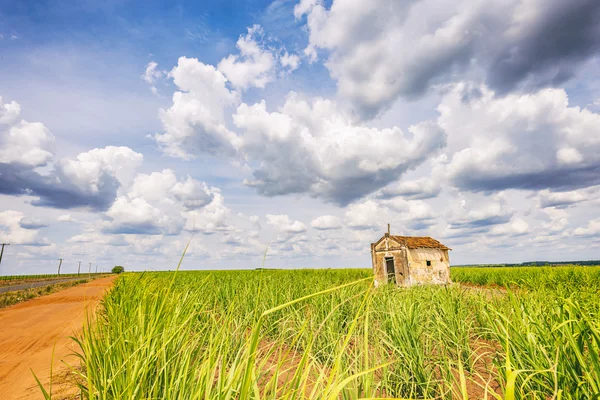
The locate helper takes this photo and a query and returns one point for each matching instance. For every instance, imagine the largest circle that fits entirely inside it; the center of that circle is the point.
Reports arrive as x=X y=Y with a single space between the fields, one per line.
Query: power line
x=59 y=264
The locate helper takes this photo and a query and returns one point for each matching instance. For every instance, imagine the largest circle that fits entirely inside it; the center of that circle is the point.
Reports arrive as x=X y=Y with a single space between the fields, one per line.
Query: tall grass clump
x=328 y=334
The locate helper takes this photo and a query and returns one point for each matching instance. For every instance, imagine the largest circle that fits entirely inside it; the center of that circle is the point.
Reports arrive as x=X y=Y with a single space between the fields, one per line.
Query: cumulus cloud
x=311 y=147
x=591 y=230
x=383 y=49
x=412 y=214
x=157 y=203
x=16 y=229
x=66 y=218
x=475 y=218
x=317 y=149
x=97 y=238
x=412 y=190
x=96 y=169
x=152 y=74
x=557 y=220
x=195 y=123
x=254 y=66
x=290 y=62
x=490 y=214
x=22 y=143
x=211 y=218
x=366 y=215
x=515 y=227
x=285 y=224
x=326 y=222
x=89 y=180
x=516 y=141
x=9 y=112
x=547 y=198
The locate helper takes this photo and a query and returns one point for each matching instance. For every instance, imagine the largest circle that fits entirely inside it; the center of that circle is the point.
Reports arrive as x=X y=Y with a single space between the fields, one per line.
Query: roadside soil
x=14 y=282
x=33 y=285
x=30 y=332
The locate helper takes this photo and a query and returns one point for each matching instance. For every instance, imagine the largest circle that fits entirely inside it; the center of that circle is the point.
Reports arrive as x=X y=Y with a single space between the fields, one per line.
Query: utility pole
x=59 y=264
x=2 y=251
x=79 y=268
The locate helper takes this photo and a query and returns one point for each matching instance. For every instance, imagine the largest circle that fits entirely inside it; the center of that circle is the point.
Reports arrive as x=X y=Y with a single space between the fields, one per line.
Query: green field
x=328 y=334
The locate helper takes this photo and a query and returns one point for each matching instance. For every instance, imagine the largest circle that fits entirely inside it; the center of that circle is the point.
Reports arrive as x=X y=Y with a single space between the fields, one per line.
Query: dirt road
x=30 y=331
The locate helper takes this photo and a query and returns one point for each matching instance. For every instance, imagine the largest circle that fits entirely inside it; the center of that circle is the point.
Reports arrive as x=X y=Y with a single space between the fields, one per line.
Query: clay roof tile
x=419 y=242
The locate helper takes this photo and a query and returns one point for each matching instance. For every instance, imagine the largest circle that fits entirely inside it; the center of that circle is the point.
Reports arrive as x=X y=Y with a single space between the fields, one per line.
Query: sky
x=297 y=129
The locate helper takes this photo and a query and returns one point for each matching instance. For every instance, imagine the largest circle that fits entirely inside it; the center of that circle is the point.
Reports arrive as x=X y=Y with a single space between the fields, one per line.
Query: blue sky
x=127 y=127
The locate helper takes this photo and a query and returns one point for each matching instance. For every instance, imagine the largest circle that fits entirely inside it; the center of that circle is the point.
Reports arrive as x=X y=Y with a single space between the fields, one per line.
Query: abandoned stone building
x=410 y=260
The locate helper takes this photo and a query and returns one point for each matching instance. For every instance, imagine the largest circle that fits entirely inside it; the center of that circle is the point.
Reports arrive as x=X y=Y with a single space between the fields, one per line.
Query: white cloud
x=13 y=232
x=311 y=147
x=97 y=238
x=66 y=218
x=558 y=220
x=254 y=66
x=152 y=74
x=9 y=112
x=326 y=222
x=96 y=169
x=285 y=224
x=516 y=227
x=290 y=61
x=591 y=230
x=136 y=215
x=311 y=54
x=317 y=149
x=366 y=215
x=211 y=218
x=193 y=193
x=304 y=6
x=195 y=123
x=91 y=179
x=512 y=141
x=568 y=155
x=381 y=49
x=475 y=218
x=413 y=214
x=158 y=203
x=417 y=189
x=21 y=142
x=547 y=198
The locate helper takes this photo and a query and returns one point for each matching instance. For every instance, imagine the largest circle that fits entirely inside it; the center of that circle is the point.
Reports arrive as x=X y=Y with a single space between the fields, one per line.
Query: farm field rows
x=328 y=334
x=16 y=279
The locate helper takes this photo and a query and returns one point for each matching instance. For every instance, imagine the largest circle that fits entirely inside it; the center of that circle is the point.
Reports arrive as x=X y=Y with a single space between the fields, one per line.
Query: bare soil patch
x=31 y=331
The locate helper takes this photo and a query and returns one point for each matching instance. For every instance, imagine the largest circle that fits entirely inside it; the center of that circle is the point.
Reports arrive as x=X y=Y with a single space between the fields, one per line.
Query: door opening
x=390 y=270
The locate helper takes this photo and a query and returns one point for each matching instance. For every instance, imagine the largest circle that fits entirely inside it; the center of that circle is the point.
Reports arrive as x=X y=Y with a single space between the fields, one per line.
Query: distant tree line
x=534 y=264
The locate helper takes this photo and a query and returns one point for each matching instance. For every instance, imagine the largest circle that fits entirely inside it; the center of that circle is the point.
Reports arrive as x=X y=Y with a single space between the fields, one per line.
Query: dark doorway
x=390 y=270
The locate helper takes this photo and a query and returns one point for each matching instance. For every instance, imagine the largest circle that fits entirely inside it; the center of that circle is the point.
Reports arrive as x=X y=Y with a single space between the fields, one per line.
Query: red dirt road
x=29 y=332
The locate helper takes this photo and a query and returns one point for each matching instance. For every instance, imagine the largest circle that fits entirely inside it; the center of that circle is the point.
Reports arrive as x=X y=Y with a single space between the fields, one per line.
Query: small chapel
x=410 y=260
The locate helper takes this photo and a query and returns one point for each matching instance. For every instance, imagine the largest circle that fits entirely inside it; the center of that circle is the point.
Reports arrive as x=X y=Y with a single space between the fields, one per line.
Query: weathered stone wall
x=410 y=264
x=437 y=273
x=389 y=248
